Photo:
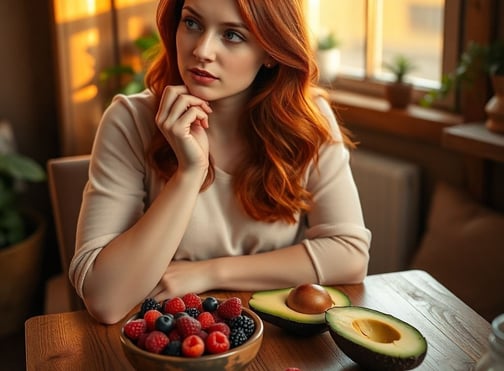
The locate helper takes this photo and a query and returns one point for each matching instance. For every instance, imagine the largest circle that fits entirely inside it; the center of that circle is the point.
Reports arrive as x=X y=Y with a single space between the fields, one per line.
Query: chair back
x=67 y=177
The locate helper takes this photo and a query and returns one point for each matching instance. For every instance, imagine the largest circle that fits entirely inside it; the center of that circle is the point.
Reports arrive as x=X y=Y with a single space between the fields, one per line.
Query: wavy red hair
x=283 y=126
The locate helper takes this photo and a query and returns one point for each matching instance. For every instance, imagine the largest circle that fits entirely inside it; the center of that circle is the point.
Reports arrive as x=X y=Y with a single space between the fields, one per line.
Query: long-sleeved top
x=122 y=186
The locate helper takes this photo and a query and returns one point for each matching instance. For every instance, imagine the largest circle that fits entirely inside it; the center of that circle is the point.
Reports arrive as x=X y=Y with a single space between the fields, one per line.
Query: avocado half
x=375 y=340
x=271 y=307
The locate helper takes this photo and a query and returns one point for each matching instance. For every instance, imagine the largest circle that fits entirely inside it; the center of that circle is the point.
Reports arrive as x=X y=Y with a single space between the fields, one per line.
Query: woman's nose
x=205 y=47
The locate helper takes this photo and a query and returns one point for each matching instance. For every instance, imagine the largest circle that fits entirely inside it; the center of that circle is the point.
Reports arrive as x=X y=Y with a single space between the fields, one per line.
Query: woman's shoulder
x=321 y=99
x=134 y=109
x=131 y=117
x=142 y=101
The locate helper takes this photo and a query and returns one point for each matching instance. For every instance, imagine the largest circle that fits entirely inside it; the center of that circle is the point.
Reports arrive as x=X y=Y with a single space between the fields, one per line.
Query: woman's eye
x=191 y=24
x=233 y=36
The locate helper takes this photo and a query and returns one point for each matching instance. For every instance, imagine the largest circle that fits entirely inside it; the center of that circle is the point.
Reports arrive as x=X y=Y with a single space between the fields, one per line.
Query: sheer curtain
x=91 y=35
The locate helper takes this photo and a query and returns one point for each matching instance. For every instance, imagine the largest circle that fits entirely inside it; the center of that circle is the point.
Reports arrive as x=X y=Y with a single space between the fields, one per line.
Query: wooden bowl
x=234 y=359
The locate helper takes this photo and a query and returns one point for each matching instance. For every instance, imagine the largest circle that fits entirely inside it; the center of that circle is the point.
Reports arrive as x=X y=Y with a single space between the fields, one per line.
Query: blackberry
x=237 y=337
x=193 y=312
x=243 y=322
x=174 y=348
x=148 y=304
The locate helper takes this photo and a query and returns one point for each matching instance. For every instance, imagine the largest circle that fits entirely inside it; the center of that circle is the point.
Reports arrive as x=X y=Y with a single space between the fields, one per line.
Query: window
x=372 y=32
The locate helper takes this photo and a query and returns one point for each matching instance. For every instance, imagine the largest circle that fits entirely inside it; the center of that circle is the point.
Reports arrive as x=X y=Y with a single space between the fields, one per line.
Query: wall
x=28 y=99
x=28 y=94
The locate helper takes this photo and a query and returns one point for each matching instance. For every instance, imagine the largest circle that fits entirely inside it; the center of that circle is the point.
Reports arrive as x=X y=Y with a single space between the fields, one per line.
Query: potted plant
x=475 y=61
x=399 y=92
x=328 y=56
x=22 y=234
x=131 y=75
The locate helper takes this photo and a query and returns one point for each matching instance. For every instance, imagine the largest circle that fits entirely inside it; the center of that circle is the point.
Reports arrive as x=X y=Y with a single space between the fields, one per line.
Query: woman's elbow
x=108 y=314
x=356 y=271
x=352 y=271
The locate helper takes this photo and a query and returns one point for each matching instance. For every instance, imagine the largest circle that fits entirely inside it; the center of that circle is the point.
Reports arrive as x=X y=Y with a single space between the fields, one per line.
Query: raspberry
x=135 y=328
x=206 y=319
x=187 y=326
x=156 y=341
x=174 y=335
x=216 y=342
x=150 y=318
x=203 y=334
x=216 y=317
x=230 y=308
x=174 y=305
x=192 y=300
x=149 y=304
x=193 y=346
x=220 y=326
x=141 y=340
x=237 y=337
x=243 y=322
x=181 y=314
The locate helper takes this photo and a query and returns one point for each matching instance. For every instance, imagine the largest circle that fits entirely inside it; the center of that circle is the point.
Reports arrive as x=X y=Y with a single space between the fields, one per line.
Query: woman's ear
x=270 y=62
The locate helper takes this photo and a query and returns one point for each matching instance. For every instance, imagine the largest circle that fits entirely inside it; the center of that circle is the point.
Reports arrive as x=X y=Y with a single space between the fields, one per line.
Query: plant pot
x=495 y=106
x=328 y=62
x=20 y=274
x=398 y=94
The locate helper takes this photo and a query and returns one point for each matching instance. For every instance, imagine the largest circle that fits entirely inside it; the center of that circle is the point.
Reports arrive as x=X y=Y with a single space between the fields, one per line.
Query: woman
x=228 y=172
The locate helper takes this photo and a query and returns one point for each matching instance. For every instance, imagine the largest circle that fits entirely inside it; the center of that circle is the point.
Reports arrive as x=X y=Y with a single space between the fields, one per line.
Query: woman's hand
x=183 y=118
x=181 y=277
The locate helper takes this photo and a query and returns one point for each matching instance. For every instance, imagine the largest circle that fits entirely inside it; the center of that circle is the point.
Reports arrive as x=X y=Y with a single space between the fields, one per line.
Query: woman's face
x=218 y=57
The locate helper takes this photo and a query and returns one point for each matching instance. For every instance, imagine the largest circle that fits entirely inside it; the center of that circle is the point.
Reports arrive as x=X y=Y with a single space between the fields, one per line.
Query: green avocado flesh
x=271 y=307
x=375 y=340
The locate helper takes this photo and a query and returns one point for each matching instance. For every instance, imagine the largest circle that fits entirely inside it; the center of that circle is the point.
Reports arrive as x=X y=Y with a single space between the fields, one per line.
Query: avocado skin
x=373 y=361
x=295 y=323
x=293 y=327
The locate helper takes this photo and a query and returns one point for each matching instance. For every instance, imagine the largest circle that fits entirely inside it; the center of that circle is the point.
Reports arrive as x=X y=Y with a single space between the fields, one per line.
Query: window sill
x=415 y=122
x=476 y=140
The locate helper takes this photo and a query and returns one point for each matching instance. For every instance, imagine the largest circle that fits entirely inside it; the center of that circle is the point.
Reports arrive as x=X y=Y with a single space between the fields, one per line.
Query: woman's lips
x=202 y=76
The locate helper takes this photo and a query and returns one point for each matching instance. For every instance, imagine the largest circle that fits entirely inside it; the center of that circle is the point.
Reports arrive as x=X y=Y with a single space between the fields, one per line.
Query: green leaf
x=21 y=167
x=133 y=87
x=12 y=228
x=113 y=71
x=147 y=42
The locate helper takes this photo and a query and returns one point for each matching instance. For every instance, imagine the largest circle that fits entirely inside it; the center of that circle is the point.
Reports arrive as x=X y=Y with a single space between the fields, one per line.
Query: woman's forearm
x=275 y=269
x=285 y=267
x=129 y=267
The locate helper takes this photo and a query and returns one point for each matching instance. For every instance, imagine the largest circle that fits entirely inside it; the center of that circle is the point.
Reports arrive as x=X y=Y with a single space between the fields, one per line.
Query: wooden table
x=456 y=334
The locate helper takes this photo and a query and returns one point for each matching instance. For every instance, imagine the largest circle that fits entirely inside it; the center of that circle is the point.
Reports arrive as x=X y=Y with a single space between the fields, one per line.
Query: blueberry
x=174 y=348
x=210 y=304
x=165 y=323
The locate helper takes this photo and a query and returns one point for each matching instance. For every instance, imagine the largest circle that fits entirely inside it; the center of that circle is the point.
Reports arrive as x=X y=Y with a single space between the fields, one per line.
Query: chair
x=67 y=177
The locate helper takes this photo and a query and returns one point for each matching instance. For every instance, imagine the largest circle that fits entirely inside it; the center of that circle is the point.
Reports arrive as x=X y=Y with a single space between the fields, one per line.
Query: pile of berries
x=190 y=326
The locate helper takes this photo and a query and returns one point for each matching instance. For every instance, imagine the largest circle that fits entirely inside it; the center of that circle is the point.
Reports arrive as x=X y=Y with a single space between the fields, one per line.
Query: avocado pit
x=309 y=298
x=378 y=331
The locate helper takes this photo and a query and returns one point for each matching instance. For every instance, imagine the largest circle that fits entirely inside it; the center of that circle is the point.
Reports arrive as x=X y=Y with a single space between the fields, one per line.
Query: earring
x=268 y=65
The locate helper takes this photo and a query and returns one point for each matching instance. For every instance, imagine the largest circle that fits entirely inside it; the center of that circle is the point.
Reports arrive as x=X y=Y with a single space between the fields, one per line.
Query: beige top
x=122 y=186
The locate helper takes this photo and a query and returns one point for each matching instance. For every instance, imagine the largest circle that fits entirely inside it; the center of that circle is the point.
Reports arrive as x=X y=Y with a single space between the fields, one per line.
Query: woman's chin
x=200 y=92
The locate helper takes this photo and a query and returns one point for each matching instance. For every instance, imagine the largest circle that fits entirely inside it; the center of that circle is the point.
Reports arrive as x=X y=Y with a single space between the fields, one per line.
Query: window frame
x=370 y=86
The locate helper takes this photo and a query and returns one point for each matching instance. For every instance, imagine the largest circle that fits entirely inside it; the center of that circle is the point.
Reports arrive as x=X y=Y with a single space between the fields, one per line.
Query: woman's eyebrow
x=227 y=24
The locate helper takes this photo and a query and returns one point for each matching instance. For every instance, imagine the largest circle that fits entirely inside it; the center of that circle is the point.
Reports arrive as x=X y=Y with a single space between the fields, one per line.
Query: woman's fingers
x=183 y=118
x=176 y=101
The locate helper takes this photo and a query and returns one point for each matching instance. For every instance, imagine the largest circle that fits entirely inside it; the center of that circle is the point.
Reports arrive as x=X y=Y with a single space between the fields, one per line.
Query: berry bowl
x=154 y=354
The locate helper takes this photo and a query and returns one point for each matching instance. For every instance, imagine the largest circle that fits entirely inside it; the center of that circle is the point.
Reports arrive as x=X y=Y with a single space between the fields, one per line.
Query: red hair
x=283 y=126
